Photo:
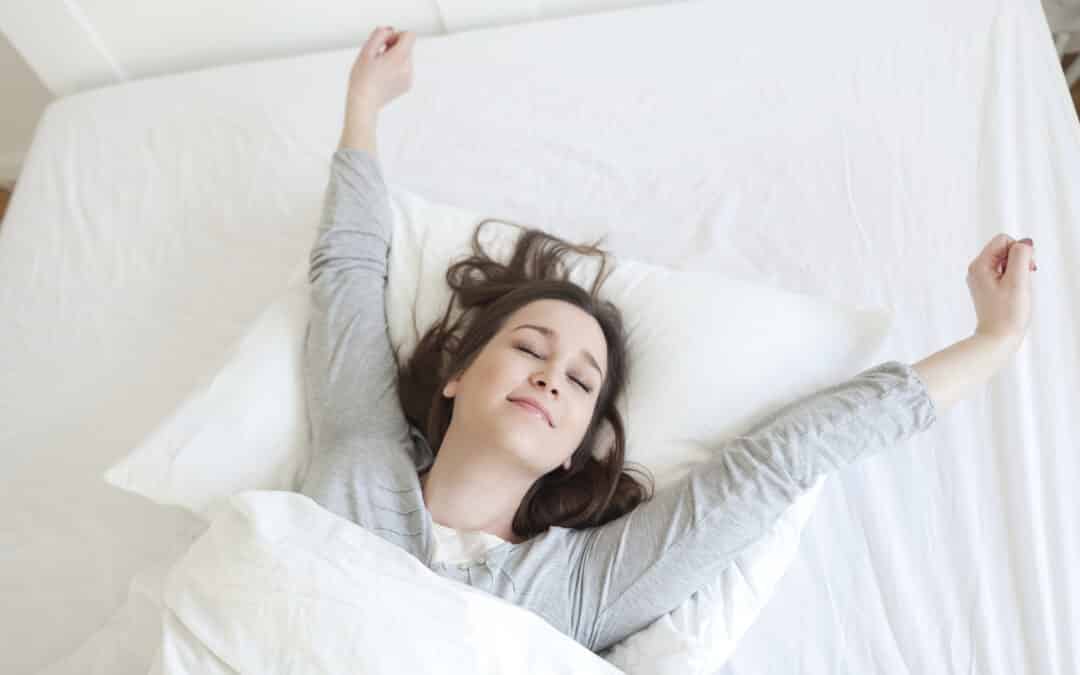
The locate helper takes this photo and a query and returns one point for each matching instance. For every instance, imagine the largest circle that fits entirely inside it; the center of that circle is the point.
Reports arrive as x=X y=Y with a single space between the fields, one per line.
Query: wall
x=22 y=99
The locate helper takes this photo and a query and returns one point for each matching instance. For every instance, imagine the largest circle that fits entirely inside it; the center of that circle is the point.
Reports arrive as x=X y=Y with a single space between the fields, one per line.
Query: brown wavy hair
x=592 y=491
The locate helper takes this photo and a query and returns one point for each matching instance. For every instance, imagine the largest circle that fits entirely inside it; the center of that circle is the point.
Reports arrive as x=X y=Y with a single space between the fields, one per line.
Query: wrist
x=359 y=129
x=961 y=368
x=358 y=140
x=998 y=348
x=361 y=107
x=1001 y=342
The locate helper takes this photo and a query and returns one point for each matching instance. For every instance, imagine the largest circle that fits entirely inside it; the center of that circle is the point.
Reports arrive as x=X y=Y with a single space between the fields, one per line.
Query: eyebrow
x=553 y=334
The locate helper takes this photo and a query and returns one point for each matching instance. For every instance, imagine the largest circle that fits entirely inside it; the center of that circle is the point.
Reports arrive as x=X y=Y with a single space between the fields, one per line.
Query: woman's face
x=542 y=352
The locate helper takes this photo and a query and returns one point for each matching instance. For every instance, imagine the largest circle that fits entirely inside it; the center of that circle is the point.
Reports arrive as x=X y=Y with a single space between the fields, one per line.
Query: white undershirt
x=462 y=546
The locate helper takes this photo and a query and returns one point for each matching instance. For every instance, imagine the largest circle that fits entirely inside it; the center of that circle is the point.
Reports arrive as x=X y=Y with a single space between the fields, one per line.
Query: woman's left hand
x=999 y=280
x=382 y=70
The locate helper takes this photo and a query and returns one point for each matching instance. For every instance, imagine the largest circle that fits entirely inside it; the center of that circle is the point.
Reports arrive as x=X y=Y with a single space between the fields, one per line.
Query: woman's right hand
x=382 y=70
x=1000 y=283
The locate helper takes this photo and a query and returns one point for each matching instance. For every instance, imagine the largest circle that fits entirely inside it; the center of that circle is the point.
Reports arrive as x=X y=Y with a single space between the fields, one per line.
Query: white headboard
x=103 y=42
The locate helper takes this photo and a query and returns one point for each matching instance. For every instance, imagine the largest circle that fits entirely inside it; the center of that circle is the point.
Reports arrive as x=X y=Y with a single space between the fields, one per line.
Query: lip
x=532 y=404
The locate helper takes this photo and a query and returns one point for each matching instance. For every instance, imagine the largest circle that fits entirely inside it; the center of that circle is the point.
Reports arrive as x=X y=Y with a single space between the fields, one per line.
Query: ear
x=450 y=389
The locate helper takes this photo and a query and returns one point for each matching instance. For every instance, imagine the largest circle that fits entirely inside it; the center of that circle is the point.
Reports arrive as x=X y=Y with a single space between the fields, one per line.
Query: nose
x=542 y=380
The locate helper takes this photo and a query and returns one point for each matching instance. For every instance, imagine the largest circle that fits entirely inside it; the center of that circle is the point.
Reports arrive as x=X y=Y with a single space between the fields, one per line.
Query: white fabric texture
x=279 y=584
x=459 y=546
x=867 y=161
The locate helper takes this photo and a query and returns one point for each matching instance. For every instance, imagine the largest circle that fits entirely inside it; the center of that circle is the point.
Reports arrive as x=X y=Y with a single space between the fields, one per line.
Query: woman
x=522 y=498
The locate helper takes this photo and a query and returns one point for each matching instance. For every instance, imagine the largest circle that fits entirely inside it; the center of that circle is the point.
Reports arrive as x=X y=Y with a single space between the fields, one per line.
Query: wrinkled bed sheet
x=859 y=151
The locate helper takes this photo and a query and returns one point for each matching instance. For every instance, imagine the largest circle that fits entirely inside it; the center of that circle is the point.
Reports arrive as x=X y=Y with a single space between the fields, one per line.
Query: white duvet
x=279 y=584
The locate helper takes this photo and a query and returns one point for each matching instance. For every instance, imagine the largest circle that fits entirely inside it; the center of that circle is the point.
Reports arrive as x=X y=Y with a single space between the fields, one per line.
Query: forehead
x=573 y=325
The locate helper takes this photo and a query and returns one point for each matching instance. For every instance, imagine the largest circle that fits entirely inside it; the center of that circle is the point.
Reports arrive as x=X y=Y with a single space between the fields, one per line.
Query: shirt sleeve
x=350 y=368
x=644 y=564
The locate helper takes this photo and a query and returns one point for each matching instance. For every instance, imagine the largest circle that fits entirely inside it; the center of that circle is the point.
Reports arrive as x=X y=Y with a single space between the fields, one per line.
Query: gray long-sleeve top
x=597 y=585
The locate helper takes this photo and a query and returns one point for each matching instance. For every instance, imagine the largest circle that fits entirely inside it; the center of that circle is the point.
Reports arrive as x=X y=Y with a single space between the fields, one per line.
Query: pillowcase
x=244 y=425
x=711 y=357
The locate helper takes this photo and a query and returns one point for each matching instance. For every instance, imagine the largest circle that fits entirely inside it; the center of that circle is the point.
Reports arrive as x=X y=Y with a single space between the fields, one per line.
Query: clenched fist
x=382 y=70
x=1000 y=283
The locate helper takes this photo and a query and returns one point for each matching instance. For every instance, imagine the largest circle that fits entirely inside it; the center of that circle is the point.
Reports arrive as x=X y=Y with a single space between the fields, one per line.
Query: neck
x=475 y=490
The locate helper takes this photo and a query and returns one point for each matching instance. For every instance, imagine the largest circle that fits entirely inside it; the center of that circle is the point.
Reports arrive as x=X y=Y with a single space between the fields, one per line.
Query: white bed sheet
x=868 y=161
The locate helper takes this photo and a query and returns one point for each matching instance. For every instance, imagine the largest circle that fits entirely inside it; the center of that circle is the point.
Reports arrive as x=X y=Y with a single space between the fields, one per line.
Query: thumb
x=1017 y=269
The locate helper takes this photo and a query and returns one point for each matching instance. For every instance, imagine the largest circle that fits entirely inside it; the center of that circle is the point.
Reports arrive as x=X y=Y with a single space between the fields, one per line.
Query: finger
x=395 y=37
x=403 y=42
x=379 y=35
x=996 y=249
x=1019 y=265
x=377 y=39
x=999 y=270
x=1033 y=266
x=999 y=262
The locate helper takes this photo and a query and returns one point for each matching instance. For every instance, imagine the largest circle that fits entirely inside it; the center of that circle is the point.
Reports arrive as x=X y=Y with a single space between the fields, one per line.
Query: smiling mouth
x=531 y=409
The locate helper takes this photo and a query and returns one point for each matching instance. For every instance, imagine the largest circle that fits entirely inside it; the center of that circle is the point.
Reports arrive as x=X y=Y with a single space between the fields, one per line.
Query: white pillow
x=710 y=358
x=241 y=427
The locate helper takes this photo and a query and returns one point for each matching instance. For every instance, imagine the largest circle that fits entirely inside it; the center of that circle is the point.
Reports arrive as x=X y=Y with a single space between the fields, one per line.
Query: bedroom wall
x=23 y=98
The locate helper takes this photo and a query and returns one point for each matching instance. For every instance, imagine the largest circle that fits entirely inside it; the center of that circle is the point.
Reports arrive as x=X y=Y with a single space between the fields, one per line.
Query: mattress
x=868 y=160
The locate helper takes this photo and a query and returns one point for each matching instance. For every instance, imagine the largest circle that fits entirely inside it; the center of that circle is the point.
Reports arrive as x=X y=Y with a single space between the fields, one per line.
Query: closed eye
x=577 y=381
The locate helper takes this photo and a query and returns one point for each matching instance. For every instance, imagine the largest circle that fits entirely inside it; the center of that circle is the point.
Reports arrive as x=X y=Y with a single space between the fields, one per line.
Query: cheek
x=581 y=416
x=574 y=429
x=500 y=374
x=502 y=366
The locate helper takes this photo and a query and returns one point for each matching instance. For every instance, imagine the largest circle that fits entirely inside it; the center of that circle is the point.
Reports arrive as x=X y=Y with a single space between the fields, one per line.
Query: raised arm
x=381 y=72
x=999 y=280
x=350 y=368
x=349 y=363
x=645 y=564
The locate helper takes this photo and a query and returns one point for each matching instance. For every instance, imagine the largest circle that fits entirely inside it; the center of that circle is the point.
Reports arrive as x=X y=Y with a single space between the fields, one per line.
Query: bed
x=867 y=161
